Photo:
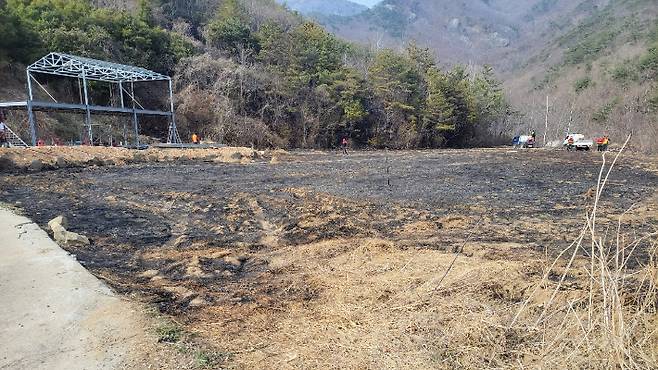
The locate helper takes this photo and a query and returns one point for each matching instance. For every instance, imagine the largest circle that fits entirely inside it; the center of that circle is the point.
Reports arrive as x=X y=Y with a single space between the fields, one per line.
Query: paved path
x=53 y=313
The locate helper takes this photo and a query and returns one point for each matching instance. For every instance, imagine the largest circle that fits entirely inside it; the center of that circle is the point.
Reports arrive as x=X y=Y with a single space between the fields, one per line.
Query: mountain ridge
x=340 y=8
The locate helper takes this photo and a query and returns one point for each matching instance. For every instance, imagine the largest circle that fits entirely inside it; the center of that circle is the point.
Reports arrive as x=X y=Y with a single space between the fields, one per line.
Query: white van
x=577 y=142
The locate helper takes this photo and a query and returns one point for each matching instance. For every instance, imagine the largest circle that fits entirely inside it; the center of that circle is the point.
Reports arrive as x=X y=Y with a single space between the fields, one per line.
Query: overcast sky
x=367 y=2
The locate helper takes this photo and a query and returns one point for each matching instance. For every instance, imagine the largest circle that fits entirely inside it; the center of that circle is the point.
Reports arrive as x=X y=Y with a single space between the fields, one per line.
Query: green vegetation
x=230 y=30
x=31 y=28
x=602 y=115
x=263 y=76
x=624 y=72
x=389 y=17
x=591 y=46
x=296 y=85
x=169 y=333
x=583 y=84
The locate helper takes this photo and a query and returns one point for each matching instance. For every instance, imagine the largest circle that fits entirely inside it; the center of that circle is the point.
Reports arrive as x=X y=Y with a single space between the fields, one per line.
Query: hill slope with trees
x=344 y=8
x=252 y=73
x=599 y=77
x=593 y=59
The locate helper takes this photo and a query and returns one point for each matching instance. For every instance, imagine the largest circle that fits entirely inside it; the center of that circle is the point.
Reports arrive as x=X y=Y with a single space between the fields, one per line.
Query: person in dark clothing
x=3 y=131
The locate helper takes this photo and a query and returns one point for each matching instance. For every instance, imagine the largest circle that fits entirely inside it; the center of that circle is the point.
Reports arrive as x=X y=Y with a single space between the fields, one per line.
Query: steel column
x=173 y=116
x=125 y=134
x=135 y=125
x=121 y=93
x=90 y=134
x=30 y=113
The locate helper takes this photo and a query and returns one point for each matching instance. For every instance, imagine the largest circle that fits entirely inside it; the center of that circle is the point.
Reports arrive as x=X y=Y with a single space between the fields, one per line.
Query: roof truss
x=79 y=67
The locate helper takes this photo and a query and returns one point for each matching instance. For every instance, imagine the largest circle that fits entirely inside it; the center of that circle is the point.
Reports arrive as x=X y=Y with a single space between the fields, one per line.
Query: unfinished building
x=121 y=78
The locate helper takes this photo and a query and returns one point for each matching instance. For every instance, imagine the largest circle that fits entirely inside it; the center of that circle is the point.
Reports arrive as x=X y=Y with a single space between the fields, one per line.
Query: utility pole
x=573 y=103
x=546 y=123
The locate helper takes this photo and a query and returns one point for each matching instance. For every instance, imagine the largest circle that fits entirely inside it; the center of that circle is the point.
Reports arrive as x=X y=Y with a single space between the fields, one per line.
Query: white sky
x=367 y=2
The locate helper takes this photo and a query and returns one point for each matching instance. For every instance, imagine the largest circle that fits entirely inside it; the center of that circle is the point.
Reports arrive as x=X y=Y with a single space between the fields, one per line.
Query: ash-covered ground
x=196 y=237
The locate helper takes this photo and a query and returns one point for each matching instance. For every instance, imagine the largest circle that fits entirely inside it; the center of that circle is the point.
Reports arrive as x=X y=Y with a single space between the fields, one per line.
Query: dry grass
x=609 y=322
x=82 y=156
x=371 y=304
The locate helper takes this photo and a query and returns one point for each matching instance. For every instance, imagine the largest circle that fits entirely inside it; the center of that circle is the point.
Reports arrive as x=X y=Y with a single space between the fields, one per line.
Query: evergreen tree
x=439 y=116
x=395 y=81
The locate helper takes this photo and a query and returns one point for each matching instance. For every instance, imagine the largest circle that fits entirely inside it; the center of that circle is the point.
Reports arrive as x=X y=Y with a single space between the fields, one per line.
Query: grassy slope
x=593 y=77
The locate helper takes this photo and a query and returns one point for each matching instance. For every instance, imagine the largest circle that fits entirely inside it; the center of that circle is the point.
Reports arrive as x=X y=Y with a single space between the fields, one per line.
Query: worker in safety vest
x=195 y=139
x=599 y=144
x=570 y=143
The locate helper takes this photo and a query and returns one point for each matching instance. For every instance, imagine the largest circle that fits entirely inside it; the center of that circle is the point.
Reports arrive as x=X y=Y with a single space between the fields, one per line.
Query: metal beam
x=135 y=123
x=121 y=93
x=90 y=135
x=30 y=113
x=94 y=109
x=132 y=96
x=94 y=70
x=44 y=89
x=174 y=137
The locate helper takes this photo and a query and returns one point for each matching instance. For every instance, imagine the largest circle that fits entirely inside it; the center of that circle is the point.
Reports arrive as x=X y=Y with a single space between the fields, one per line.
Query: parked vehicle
x=577 y=142
x=523 y=141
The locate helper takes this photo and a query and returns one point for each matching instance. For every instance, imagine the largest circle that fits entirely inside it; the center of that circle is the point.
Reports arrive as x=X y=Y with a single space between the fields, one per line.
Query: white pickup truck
x=577 y=142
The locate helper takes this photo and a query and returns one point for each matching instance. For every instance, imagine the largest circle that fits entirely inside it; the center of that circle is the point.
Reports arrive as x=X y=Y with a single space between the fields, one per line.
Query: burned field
x=336 y=261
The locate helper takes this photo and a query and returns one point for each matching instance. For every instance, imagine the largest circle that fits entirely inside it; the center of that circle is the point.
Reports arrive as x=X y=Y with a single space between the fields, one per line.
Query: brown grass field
x=418 y=259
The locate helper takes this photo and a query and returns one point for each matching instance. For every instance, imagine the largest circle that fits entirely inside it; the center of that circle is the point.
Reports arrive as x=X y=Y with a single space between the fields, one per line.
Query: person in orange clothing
x=195 y=139
x=606 y=141
x=599 y=144
x=570 y=142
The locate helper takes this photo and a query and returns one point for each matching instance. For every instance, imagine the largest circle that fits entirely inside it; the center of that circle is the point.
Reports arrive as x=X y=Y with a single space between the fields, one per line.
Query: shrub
x=169 y=333
x=603 y=114
x=624 y=72
x=583 y=84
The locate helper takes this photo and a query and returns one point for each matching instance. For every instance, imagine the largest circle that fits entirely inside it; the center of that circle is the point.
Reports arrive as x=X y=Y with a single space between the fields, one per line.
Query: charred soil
x=334 y=261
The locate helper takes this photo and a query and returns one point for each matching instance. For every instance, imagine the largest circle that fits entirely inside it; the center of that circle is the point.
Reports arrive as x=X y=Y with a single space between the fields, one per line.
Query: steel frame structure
x=87 y=69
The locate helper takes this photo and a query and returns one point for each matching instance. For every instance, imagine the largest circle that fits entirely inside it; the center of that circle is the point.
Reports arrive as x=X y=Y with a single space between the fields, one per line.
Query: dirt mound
x=47 y=158
x=280 y=155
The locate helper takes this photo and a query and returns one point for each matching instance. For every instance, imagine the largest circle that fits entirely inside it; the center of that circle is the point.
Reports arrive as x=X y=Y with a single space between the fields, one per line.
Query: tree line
x=253 y=73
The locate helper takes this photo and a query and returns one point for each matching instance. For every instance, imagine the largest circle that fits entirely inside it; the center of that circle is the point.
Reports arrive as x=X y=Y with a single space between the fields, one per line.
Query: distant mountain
x=595 y=61
x=479 y=31
x=342 y=8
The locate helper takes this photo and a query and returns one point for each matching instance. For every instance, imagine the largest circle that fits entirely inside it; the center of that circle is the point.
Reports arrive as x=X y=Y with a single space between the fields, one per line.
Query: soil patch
x=330 y=261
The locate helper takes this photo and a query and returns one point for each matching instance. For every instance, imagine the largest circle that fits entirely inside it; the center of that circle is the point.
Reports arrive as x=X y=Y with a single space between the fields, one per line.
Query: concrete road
x=53 y=313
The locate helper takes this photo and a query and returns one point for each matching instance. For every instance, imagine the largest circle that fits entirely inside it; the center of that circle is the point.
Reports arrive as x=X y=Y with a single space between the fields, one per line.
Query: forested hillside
x=343 y=8
x=251 y=73
x=498 y=32
x=592 y=59
x=599 y=77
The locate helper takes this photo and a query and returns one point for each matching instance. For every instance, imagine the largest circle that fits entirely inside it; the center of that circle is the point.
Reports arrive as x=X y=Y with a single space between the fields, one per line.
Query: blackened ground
x=182 y=221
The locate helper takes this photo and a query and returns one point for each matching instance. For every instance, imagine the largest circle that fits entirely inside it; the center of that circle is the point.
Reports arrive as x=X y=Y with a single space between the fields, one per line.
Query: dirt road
x=55 y=314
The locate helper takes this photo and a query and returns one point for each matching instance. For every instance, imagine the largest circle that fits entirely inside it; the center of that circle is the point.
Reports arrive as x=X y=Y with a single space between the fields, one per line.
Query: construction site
x=508 y=257
x=387 y=259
